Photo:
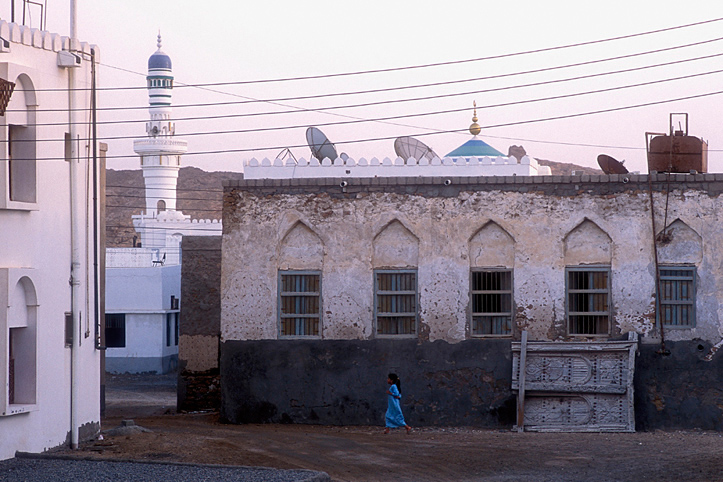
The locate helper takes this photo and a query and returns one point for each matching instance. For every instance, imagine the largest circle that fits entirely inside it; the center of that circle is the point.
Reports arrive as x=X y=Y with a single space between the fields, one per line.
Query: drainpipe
x=76 y=242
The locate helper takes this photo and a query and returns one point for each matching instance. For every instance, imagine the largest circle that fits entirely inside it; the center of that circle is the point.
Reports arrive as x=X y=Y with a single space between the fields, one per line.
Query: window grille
x=115 y=330
x=588 y=300
x=677 y=296
x=6 y=91
x=299 y=303
x=395 y=302
x=491 y=298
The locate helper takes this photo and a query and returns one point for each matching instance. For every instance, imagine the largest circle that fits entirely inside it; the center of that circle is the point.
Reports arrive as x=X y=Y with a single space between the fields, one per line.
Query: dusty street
x=366 y=454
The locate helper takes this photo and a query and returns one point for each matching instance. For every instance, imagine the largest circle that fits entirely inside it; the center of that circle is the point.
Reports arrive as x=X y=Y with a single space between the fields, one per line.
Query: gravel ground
x=70 y=470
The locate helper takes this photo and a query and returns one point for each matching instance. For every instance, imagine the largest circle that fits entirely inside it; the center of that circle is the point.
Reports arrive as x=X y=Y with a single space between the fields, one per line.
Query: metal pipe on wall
x=75 y=216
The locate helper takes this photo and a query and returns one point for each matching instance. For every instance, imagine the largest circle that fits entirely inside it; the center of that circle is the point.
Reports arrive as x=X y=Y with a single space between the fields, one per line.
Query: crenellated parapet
x=41 y=39
x=341 y=168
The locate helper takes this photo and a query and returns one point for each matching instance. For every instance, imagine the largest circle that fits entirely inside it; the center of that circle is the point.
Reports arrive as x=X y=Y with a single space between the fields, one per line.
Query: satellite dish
x=610 y=165
x=407 y=147
x=320 y=145
x=286 y=153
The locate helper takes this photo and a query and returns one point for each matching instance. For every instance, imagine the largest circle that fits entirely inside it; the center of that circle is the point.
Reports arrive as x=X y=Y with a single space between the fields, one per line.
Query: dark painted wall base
x=199 y=391
x=681 y=390
x=344 y=382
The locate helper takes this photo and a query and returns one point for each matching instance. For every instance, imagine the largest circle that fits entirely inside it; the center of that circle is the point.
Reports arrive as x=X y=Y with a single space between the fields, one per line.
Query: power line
x=434 y=132
x=178 y=189
x=416 y=99
x=196 y=227
x=405 y=116
x=435 y=84
x=117 y=206
x=436 y=64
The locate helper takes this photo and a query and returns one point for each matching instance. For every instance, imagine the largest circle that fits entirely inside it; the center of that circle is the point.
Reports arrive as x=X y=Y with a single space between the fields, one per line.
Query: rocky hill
x=200 y=194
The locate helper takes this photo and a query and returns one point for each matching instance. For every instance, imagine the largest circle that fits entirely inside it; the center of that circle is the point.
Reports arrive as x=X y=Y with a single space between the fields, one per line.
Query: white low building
x=49 y=258
x=473 y=158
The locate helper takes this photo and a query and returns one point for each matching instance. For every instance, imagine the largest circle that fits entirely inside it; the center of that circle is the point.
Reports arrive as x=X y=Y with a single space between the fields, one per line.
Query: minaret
x=160 y=151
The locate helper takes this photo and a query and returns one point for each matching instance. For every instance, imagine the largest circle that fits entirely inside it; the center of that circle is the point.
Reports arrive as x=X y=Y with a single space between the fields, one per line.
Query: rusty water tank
x=677 y=152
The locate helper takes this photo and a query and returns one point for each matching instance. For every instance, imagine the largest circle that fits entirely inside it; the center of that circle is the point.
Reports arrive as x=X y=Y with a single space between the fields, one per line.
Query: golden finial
x=474 y=129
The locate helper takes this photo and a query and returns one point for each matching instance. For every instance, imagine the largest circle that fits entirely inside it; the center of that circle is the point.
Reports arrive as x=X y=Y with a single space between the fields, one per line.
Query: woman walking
x=394 y=417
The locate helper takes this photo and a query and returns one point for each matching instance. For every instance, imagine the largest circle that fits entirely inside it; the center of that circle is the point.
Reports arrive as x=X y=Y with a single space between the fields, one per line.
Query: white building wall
x=398 y=167
x=144 y=296
x=35 y=240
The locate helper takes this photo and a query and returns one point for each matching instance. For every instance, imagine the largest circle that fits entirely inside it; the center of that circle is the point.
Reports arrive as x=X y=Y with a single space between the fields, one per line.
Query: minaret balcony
x=160 y=146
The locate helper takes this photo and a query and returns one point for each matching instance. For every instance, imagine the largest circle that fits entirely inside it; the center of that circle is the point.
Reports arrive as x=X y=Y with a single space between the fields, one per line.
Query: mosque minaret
x=160 y=152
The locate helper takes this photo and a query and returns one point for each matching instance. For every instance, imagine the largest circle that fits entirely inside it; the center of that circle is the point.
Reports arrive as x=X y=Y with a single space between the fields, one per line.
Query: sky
x=239 y=43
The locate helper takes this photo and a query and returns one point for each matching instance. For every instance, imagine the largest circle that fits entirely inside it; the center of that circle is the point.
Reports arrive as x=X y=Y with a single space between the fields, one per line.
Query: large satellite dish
x=610 y=165
x=320 y=145
x=407 y=147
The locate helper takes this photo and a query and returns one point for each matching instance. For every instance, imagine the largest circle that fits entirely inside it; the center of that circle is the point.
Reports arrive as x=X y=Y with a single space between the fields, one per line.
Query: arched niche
x=587 y=243
x=680 y=245
x=21 y=141
x=22 y=338
x=395 y=246
x=492 y=246
x=301 y=248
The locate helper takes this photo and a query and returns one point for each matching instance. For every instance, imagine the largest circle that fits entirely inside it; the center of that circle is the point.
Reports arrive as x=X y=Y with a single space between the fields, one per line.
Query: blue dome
x=475 y=148
x=159 y=60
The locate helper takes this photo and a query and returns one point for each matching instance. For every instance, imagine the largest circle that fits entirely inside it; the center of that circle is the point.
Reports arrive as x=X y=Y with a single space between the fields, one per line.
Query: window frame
x=660 y=303
x=19 y=378
x=281 y=294
x=378 y=293
x=607 y=291
x=501 y=293
x=19 y=174
x=120 y=317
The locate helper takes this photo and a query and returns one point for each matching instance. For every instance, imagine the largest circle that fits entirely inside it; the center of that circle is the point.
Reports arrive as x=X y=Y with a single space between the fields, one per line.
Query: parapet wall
x=350 y=168
x=20 y=34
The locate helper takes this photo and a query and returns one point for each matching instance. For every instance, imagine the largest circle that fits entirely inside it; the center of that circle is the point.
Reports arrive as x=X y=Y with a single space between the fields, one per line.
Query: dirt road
x=359 y=454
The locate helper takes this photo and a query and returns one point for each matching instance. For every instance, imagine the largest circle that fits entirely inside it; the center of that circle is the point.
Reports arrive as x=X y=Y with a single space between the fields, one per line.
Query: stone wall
x=444 y=228
x=344 y=382
x=198 y=385
x=533 y=226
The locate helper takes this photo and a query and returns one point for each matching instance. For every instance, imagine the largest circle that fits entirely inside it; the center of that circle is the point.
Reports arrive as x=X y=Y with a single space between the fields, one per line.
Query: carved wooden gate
x=575 y=386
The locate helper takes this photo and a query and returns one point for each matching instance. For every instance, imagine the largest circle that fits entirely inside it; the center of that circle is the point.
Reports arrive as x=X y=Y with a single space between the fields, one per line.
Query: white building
x=49 y=327
x=473 y=158
x=143 y=284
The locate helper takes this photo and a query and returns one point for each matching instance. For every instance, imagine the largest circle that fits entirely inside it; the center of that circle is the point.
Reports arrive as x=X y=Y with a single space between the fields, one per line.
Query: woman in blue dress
x=394 y=417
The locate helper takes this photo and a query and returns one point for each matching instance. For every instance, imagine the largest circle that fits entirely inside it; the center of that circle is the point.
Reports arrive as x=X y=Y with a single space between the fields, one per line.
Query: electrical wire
x=435 y=84
x=437 y=132
x=381 y=119
x=422 y=114
x=436 y=64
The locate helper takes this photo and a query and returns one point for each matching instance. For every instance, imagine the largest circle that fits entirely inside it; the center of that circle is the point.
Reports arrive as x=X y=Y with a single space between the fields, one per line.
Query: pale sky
x=242 y=41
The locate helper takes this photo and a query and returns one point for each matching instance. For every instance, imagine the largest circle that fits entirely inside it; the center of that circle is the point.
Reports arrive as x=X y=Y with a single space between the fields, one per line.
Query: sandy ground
x=365 y=454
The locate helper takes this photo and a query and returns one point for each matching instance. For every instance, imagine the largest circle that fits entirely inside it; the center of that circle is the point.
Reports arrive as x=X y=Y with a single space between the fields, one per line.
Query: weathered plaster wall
x=198 y=350
x=343 y=382
x=535 y=226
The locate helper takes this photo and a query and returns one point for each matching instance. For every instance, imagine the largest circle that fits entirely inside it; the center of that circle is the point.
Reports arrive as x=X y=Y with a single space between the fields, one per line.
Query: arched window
x=20 y=327
x=161 y=206
x=21 y=145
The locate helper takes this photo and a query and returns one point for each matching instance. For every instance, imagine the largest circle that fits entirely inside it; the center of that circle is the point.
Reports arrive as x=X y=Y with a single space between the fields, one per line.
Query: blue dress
x=394 y=417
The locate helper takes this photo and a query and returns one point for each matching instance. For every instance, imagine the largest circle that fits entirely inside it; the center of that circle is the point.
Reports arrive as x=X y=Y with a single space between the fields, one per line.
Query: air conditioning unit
x=68 y=59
